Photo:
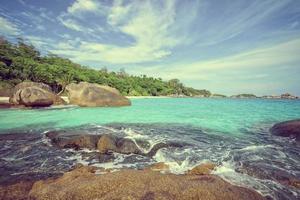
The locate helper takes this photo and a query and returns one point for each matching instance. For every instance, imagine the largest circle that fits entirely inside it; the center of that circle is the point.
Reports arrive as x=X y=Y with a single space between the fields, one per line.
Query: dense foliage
x=22 y=61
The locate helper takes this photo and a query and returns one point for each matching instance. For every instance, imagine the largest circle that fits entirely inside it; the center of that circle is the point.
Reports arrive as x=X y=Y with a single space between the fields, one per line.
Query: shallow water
x=233 y=133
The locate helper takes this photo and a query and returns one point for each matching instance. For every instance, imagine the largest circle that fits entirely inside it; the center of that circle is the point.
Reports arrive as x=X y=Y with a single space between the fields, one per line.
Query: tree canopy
x=22 y=61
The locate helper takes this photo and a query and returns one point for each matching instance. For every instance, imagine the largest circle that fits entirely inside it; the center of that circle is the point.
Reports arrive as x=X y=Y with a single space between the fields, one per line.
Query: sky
x=227 y=47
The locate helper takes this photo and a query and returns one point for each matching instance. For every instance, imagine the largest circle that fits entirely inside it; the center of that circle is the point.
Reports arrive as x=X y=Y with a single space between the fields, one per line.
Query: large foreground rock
x=33 y=94
x=287 y=129
x=92 y=95
x=82 y=183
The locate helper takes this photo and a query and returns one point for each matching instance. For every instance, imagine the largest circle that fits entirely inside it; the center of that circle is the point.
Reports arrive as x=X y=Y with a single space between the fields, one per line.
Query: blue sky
x=228 y=46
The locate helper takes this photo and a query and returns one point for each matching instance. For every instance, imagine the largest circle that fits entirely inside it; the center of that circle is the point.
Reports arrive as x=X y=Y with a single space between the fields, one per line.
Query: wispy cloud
x=280 y=56
x=81 y=6
x=146 y=22
x=8 y=28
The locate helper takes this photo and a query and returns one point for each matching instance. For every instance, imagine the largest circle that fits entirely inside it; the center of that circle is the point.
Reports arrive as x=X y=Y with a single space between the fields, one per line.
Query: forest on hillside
x=21 y=61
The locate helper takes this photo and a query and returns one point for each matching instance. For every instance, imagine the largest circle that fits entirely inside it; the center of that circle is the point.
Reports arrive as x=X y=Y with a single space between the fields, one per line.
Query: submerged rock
x=202 y=169
x=82 y=183
x=93 y=95
x=287 y=129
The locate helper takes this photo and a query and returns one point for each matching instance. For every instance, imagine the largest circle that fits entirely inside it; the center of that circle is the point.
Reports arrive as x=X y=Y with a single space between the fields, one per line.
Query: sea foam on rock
x=94 y=95
x=105 y=143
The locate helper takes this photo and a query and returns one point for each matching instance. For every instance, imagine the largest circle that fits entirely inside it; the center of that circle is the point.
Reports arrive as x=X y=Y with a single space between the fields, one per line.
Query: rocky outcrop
x=202 y=169
x=287 y=129
x=82 y=183
x=76 y=140
x=105 y=143
x=33 y=94
x=93 y=95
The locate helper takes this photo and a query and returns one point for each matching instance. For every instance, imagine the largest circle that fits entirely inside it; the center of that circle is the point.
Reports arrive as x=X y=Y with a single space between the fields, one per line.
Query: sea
x=232 y=133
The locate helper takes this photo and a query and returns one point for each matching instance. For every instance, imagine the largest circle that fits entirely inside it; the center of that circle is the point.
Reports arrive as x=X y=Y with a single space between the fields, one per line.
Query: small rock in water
x=202 y=169
x=106 y=143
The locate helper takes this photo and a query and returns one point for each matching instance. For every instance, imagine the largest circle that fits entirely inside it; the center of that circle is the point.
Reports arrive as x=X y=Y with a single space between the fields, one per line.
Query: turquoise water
x=220 y=115
x=232 y=133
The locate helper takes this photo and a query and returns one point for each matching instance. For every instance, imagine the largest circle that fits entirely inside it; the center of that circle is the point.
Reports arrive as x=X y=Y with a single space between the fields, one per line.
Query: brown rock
x=127 y=146
x=34 y=94
x=93 y=95
x=107 y=143
x=26 y=84
x=32 y=97
x=202 y=169
x=295 y=183
x=287 y=129
x=138 y=184
x=160 y=166
x=16 y=191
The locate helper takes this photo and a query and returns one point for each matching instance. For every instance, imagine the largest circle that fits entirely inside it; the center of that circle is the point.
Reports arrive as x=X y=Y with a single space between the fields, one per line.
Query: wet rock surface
x=74 y=139
x=271 y=169
x=82 y=183
x=287 y=129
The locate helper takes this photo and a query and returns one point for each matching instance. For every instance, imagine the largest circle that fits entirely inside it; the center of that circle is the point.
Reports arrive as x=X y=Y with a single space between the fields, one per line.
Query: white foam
x=256 y=147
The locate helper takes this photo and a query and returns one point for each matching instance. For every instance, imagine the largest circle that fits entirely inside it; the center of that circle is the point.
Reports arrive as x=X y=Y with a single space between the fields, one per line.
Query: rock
x=287 y=129
x=160 y=166
x=161 y=145
x=110 y=143
x=202 y=169
x=295 y=183
x=107 y=143
x=127 y=146
x=82 y=183
x=92 y=95
x=16 y=191
x=73 y=139
x=43 y=93
x=32 y=97
x=26 y=84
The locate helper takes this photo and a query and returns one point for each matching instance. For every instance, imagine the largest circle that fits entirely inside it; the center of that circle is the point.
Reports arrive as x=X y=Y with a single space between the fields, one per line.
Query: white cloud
x=147 y=23
x=71 y=24
x=8 y=28
x=80 y=6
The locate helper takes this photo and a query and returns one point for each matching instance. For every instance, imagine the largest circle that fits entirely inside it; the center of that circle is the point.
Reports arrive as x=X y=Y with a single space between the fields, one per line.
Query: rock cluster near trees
x=32 y=94
x=93 y=95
